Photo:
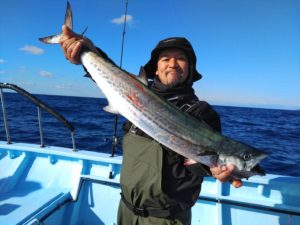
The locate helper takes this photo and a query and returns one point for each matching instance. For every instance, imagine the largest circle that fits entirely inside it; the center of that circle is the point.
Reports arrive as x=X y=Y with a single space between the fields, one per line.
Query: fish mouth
x=257 y=170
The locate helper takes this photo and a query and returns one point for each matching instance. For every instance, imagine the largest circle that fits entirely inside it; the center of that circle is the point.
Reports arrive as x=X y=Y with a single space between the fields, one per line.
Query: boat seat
x=24 y=205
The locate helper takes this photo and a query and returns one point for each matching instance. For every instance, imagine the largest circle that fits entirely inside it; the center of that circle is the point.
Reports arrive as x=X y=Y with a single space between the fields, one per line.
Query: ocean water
x=276 y=132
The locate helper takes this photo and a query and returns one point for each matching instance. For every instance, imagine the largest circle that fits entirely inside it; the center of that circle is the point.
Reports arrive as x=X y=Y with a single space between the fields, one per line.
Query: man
x=158 y=185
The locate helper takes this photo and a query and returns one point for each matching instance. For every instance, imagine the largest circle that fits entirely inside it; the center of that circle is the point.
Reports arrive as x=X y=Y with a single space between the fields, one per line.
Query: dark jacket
x=183 y=183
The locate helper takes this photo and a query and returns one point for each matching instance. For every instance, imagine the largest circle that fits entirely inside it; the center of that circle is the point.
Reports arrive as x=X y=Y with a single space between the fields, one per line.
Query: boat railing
x=40 y=105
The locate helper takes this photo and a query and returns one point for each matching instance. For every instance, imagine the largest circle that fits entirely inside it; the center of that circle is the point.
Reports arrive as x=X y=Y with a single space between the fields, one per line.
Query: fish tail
x=55 y=39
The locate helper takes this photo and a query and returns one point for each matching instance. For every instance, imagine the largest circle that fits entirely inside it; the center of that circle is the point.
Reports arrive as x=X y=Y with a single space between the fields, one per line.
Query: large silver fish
x=129 y=95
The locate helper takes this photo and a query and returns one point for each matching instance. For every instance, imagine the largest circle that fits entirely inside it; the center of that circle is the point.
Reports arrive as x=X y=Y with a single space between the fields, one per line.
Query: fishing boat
x=44 y=184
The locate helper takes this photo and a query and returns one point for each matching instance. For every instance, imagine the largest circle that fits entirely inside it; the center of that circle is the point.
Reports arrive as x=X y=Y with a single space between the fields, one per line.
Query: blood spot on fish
x=134 y=98
x=173 y=138
x=139 y=86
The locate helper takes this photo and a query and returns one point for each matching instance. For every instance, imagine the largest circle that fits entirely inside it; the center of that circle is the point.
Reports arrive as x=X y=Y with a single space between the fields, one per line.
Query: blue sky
x=248 y=50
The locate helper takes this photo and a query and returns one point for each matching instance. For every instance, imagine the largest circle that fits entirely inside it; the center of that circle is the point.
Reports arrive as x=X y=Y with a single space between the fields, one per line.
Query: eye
x=182 y=58
x=247 y=156
x=164 y=59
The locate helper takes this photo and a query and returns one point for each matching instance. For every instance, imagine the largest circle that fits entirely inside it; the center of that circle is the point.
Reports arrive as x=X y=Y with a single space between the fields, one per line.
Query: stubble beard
x=177 y=81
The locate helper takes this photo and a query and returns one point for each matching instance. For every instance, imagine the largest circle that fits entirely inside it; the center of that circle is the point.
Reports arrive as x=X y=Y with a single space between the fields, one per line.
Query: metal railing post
x=40 y=106
x=73 y=141
x=40 y=126
x=5 y=117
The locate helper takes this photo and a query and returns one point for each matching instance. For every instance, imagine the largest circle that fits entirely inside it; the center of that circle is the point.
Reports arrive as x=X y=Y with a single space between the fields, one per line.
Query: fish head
x=246 y=163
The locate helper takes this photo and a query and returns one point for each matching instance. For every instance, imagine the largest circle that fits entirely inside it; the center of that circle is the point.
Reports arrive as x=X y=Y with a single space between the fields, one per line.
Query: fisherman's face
x=172 y=67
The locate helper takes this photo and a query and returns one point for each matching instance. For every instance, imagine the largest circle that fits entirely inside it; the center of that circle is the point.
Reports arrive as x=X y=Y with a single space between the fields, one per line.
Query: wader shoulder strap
x=190 y=108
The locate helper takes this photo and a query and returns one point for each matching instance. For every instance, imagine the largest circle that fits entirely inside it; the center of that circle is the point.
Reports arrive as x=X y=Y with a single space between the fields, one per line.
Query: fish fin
x=143 y=76
x=55 y=39
x=68 y=17
x=110 y=109
x=208 y=160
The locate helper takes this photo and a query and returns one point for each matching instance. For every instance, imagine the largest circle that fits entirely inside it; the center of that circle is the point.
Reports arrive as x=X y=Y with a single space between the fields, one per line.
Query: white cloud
x=64 y=86
x=45 y=73
x=2 y=61
x=32 y=50
x=121 y=20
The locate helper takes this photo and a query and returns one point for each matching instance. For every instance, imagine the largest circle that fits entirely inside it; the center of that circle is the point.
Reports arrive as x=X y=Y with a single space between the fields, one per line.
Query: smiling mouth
x=175 y=72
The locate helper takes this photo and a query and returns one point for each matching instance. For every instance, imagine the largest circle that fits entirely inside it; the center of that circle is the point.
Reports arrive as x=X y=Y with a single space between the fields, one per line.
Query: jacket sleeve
x=203 y=111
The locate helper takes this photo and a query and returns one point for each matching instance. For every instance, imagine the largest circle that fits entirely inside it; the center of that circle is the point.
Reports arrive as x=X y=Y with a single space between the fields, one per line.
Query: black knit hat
x=173 y=42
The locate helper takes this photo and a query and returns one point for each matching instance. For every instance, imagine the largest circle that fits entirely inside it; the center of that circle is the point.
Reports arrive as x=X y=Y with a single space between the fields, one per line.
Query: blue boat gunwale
x=224 y=190
x=62 y=151
x=256 y=195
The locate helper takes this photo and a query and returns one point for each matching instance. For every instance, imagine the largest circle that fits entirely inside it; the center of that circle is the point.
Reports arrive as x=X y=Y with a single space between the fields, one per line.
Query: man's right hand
x=71 y=44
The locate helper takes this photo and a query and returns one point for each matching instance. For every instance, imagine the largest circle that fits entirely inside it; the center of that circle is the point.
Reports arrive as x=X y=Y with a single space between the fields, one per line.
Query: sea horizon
x=243 y=105
x=211 y=102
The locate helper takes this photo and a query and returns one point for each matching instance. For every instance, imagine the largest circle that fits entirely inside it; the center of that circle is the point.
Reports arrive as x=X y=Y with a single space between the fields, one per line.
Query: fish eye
x=247 y=156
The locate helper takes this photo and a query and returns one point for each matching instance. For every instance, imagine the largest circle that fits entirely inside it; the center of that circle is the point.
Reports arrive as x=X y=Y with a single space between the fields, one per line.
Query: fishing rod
x=115 y=139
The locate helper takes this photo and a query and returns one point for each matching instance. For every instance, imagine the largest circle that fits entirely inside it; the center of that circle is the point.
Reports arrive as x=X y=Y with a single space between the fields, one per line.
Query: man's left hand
x=223 y=174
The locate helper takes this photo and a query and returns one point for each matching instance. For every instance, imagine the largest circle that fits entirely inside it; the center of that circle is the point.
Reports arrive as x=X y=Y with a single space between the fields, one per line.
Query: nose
x=173 y=62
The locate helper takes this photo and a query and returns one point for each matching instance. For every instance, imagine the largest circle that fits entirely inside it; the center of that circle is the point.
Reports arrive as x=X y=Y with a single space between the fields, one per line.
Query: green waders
x=144 y=202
